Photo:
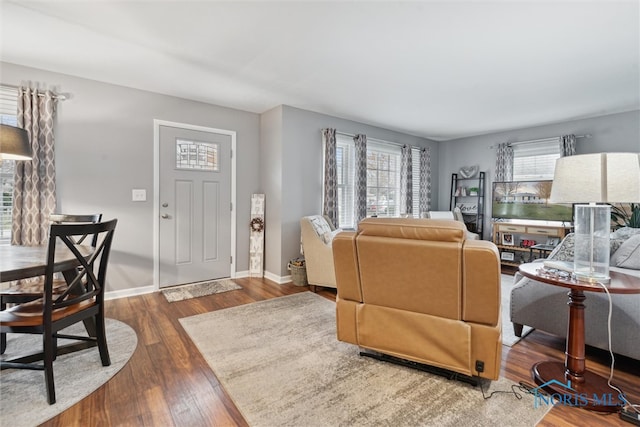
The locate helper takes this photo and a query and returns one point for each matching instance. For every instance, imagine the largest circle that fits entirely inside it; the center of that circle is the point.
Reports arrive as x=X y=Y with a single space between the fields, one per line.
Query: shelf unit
x=520 y=232
x=472 y=206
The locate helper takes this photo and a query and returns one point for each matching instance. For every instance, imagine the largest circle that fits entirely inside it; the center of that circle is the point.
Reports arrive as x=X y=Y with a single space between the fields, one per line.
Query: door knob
x=165 y=216
x=164 y=205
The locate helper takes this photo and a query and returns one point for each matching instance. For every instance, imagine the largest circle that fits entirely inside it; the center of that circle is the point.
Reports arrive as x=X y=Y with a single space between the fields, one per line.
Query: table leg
x=570 y=382
x=574 y=354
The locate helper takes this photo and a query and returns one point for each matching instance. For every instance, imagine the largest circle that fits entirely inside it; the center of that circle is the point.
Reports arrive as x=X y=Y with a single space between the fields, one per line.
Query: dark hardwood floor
x=168 y=383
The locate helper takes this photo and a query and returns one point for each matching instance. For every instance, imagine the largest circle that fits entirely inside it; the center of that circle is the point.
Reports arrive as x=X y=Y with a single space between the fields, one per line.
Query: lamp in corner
x=595 y=178
x=14 y=143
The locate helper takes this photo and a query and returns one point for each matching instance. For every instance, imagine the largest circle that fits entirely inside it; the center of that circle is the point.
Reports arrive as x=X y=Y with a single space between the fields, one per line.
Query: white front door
x=195 y=205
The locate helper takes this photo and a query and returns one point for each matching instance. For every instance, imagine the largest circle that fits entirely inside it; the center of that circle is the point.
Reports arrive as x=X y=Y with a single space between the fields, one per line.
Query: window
x=535 y=160
x=345 y=159
x=415 y=172
x=8 y=116
x=196 y=155
x=383 y=179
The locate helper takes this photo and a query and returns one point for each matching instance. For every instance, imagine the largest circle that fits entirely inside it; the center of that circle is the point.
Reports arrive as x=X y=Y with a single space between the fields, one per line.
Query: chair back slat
x=68 y=218
x=88 y=281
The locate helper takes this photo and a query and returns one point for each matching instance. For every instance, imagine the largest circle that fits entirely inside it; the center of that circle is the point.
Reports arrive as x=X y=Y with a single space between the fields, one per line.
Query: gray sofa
x=544 y=307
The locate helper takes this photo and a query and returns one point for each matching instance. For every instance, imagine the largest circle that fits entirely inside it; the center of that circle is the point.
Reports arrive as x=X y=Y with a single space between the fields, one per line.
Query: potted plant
x=622 y=216
x=473 y=191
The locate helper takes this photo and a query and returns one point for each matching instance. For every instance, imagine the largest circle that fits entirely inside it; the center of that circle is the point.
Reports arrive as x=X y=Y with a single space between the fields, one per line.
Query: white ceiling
x=440 y=70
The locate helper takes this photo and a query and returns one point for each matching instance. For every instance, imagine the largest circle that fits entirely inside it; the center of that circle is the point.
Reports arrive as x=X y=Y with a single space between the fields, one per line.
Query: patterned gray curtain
x=406 y=181
x=504 y=162
x=34 y=191
x=425 y=180
x=567 y=145
x=330 y=202
x=360 y=184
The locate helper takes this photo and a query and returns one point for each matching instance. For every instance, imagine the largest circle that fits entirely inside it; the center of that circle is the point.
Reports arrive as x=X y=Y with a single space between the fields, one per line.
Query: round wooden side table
x=571 y=377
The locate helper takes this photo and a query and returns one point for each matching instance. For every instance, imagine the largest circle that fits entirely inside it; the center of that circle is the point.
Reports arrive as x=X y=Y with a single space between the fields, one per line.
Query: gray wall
x=611 y=133
x=301 y=174
x=104 y=148
x=271 y=185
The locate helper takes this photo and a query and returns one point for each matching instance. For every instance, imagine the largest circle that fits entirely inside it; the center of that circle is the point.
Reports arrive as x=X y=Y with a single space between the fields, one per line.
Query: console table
x=554 y=375
x=519 y=231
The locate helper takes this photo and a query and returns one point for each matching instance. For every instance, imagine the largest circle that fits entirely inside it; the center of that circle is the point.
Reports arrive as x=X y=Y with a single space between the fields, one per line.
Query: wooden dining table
x=22 y=262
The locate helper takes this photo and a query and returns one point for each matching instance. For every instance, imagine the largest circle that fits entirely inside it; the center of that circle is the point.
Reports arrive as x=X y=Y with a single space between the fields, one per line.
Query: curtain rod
x=379 y=140
x=60 y=96
x=531 y=141
x=372 y=139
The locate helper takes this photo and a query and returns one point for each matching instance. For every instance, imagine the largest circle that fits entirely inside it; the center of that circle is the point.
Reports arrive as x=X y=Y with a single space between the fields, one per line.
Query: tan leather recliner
x=417 y=289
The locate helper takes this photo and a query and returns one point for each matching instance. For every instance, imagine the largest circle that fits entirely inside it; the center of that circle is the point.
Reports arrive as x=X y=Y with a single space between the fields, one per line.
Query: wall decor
x=553 y=241
x=467 y=172
x=468 y=208
x=256 y=238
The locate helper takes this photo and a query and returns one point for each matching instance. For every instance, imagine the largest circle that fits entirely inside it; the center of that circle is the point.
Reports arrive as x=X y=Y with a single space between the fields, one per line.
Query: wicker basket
x=298 y=272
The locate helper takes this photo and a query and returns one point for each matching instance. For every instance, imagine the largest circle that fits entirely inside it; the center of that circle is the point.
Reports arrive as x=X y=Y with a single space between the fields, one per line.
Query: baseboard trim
x=241 y=274
x=280 y=280
x=131 y=292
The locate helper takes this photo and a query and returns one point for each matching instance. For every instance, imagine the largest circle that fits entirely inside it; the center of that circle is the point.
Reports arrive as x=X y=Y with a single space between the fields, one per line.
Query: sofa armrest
x=346 y=265
x=481 y=282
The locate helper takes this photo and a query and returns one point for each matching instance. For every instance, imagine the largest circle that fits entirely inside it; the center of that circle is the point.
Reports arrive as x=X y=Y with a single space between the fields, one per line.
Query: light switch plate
x=139 y=195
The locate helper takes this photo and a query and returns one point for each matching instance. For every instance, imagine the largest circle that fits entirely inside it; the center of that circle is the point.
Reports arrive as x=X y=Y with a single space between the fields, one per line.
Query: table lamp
x=14 y=143
x=595 y=178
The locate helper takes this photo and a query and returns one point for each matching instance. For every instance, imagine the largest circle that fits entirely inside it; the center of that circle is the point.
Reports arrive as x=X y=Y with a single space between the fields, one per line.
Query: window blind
x=536 y=160
x=345 y=169
x=415 y=173
x=8 y=103
x=8 y=116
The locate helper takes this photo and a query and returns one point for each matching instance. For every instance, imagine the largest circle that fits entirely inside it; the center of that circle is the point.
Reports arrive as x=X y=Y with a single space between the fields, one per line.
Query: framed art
x=507 y=256
x=553 y=241
x=507 y=239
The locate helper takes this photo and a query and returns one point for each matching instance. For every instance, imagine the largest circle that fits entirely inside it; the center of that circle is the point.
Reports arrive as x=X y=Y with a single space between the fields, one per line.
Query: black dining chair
x=31 y=289
x=82 y=299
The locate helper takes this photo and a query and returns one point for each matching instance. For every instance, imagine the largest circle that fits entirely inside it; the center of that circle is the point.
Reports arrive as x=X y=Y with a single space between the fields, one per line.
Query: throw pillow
x=624 y=233
x=564 y=251
x=628 y=255
x=614 y=245
x=321 y=227
x=333 y=234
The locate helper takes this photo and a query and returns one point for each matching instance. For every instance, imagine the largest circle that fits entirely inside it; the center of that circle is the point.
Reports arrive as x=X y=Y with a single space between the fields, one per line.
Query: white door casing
x=194 y=225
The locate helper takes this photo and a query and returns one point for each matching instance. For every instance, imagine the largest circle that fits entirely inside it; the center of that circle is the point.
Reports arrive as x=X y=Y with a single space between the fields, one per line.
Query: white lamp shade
x=598 y=178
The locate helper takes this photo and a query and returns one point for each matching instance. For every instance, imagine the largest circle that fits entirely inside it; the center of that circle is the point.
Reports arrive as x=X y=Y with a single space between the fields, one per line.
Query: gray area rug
x=23 y=395
x=282 y=365
x=508 y=337
x=200 y=289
